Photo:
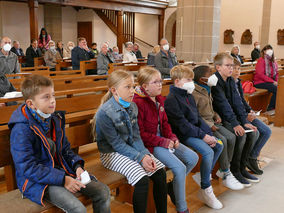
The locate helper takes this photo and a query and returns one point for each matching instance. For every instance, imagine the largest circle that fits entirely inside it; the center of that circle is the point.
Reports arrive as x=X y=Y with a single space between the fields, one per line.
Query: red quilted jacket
x=148 y=120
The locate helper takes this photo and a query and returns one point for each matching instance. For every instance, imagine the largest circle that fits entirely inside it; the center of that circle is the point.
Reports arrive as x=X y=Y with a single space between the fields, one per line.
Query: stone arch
x=171 y=22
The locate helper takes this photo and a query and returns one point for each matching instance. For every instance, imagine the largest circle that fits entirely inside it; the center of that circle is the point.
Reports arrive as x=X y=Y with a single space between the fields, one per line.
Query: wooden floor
x=88 y=152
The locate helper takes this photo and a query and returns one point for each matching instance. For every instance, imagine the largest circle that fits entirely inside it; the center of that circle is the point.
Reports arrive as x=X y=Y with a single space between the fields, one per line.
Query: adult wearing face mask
x=8 y=60
x=255 y=53
x=266 y=74
x=165 y=60
x=43 y=40
x=51 y=56
x=67 y=50
x=129 y=55
x=104 y=58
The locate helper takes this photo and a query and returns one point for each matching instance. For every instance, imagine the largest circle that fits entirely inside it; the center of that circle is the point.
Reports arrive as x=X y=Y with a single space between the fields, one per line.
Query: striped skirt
x=132 y=170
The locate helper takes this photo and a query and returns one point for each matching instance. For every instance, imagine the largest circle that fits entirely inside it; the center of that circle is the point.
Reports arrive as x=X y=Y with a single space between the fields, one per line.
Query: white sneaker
x=208 y=197
x=231 y=182
x=197 y=178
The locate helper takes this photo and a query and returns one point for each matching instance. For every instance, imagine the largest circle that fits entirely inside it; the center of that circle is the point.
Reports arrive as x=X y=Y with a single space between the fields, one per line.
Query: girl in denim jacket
x=121 y=148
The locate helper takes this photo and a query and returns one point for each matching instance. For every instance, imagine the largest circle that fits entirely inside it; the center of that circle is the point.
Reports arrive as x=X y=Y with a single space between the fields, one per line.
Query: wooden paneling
x=85 y=30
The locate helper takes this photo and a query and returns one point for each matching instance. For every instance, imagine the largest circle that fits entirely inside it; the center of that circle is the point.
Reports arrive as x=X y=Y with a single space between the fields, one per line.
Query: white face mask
x=70 y=47
x=166 y=47
x=7 y=47
x=212 y=81
x=189 y=87
x=269 y=52
x=42 y=114
x=52 y=47
x=257 y=47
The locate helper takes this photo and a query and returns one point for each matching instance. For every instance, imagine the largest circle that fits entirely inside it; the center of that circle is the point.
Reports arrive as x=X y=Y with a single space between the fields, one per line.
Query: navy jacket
x=241 y=92
x=31 y=153
x=183 y=115
x=227 y=102
x=78 y=54
x=13 y=49
x=31 y=54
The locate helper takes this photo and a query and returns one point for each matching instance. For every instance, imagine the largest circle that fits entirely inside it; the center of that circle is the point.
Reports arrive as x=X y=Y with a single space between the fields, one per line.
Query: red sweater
x=148 y=121
x=260 y=77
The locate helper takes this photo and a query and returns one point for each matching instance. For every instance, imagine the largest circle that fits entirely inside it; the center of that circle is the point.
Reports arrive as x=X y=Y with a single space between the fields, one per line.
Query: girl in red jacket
x=157 y=135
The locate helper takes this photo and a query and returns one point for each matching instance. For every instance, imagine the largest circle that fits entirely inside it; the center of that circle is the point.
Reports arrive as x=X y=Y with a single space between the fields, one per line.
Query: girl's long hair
x=114 y=80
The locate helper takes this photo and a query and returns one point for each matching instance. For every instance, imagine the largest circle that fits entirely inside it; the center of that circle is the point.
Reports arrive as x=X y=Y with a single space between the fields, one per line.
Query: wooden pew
x=126 y=66
x=279 y=109
x=63 y=64
x=88 y=65
x=39 y=61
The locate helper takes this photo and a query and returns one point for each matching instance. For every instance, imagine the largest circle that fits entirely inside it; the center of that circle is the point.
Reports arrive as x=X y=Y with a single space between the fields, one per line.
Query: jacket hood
x=23 y=115
x=140 y=93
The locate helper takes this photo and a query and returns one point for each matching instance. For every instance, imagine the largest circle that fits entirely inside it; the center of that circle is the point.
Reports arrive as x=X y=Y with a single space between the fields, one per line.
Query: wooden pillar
x=161 y=26
x=120 y=30
x=33 y=8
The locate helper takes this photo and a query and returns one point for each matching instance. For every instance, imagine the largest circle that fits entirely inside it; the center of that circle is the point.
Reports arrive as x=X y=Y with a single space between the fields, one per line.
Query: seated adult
x=235 y=53
x=5 y=86
x=50 y=56
x=173 y=52
x=9 y=63
x=266 y=74
x=95 y=50
x=136 y=51
x=59 y=49
x=43 y=40
x=17 y=49
x=115 y=54
x=81 y=53
x=164 y=60
x=255 y=53
x=152 y=54
x=32 y=52
x=129 y=56
x=67 y=50
x=103 y=59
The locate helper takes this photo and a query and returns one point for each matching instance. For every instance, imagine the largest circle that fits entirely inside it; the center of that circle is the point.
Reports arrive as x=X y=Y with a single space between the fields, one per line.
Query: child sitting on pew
x=264 y=130
x=192 y=131
x=157 y=135
x=228 y=104
x=120 y=145
x=46 y=167
x=203 y=98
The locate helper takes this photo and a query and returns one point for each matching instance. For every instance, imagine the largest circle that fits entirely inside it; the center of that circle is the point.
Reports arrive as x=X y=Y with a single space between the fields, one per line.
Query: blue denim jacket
x=118 y=131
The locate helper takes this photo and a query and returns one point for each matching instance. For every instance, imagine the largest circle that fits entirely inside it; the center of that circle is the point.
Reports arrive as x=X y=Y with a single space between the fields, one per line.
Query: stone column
x=53 y=21
x=198 y=27
x=265 y=25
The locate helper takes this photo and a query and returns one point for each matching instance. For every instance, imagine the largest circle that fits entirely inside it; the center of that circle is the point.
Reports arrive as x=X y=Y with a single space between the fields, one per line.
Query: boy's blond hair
x=32 y=85
x=180 y=71
x=219 y=58
x=236 y=62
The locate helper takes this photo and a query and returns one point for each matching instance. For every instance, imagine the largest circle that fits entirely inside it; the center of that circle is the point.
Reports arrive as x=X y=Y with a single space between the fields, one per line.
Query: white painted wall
x=69 y=25
x=146 y=28
x=239 y=16
x=14 y=12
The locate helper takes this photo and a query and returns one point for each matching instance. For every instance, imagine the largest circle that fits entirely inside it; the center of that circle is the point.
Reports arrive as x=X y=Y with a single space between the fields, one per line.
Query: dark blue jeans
x=272 y=89
x=264 y=135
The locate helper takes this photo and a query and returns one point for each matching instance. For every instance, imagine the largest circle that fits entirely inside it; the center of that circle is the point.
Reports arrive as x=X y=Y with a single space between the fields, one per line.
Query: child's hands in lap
x=72 y=184
x=79 y=171
x=148 y=163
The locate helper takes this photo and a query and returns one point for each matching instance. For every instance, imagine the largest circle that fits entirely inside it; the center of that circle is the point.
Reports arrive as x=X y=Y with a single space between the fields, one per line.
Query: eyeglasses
x=229 y=65
x=157 y=83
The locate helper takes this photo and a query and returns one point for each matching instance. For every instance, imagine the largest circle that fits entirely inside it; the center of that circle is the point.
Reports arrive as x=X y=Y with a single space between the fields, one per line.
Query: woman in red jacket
x=266 y=74
x=157 y=135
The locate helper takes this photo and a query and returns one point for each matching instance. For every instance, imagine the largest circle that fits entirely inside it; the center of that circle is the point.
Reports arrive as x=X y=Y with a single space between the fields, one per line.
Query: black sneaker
x=249 y=176
x=171 y=192
x=252 y=164
x=241 y=179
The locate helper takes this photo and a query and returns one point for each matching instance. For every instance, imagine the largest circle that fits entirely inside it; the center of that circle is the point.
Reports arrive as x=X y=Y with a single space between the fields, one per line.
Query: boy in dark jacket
x=192 y=131
x=228 y=104
x=46 y=167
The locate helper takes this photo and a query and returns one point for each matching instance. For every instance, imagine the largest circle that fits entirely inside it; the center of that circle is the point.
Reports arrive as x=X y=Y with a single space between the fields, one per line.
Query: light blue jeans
x=209 y=158
x=181 y=162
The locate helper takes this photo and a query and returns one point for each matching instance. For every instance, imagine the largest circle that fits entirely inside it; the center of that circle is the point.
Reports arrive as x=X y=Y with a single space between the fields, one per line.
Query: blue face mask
x=122 y=102
x=42 y=114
